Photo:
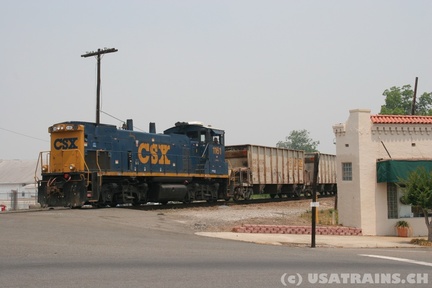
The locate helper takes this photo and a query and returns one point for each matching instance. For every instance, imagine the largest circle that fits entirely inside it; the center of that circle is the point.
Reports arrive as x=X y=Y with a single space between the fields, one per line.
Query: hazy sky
x=257 y=69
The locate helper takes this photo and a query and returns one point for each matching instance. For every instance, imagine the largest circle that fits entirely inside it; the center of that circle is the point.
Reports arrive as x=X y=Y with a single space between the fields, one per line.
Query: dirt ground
x=224 y=217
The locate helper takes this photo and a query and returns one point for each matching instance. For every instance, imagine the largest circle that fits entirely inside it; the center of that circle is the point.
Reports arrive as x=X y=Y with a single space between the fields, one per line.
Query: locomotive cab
x=207 y=146
x=197 y=132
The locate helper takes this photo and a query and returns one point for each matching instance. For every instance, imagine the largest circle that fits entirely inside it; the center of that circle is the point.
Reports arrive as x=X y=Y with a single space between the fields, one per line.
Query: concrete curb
x=323 y=241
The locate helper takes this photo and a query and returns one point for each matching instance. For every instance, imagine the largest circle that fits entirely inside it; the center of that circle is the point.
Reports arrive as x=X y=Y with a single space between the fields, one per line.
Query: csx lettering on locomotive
x=154 y=149
x=65 y=143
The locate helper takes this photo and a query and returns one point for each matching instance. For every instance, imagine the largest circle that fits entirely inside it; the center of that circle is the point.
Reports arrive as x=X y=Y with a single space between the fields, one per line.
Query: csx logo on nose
x=65 y=143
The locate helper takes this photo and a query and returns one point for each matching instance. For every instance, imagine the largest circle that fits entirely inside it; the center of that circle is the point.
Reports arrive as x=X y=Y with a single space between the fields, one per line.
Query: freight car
x=326 y=182
x=100 y=165
x=278 y=172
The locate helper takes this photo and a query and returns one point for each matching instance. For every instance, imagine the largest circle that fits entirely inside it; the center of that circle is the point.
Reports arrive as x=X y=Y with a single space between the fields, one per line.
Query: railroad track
x=200 y=204
x=180 y=205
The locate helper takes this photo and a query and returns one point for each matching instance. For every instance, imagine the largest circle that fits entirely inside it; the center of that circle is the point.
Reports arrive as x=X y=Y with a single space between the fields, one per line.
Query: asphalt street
x=133 y=248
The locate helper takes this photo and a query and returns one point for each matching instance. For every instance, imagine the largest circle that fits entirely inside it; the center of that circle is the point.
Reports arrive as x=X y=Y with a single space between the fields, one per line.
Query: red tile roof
x=401 y=119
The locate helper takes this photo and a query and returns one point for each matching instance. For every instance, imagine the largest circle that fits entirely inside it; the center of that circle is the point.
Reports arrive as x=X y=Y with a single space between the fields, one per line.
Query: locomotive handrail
x=205 y=149
x=229 y=164
x=86 y=166
x=97 y=163
x=40 y=161
x=97 y=160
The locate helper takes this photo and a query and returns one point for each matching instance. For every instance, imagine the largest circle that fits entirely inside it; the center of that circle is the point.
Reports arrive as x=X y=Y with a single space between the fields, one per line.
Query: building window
x=392 y=201
x=346 y=171
x=395 y=208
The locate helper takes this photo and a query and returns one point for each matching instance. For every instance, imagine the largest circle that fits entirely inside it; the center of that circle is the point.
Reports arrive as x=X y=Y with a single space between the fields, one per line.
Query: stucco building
x=373 y=152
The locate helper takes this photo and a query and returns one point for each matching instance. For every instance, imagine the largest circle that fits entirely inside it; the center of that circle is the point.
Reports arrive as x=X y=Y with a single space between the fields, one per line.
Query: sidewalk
x=320 y=240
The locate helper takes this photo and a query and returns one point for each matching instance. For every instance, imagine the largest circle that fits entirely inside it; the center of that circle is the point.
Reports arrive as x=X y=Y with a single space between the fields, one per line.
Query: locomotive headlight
x=58 y=128
x=72 y=167
x=45 y=168
x=69 y=127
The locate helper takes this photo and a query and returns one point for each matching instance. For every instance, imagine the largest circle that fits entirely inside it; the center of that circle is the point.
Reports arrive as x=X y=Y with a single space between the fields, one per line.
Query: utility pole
x=314 y=203
x=414 y=97
x=98 y=54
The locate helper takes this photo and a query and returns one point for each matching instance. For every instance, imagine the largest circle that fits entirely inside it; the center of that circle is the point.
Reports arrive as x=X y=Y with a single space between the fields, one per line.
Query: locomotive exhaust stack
x=129 y=124
x=152 y=127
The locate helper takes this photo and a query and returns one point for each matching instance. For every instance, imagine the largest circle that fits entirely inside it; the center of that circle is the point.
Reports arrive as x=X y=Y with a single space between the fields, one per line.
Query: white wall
x=29 y=198
x=362 y=202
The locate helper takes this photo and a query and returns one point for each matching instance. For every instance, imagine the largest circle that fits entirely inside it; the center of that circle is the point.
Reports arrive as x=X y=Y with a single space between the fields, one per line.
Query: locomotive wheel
x=248 y=194
x=187 y=199
x=236 y=197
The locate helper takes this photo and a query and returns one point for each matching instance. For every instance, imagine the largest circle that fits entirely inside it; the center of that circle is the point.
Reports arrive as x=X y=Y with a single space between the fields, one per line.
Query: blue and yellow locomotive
x=100 y=164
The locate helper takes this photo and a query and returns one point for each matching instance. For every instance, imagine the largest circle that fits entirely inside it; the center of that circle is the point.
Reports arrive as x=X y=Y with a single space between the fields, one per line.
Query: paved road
x=131 y=248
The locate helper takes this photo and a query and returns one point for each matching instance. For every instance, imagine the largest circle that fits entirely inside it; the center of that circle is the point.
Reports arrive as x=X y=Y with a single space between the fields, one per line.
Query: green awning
x=394 y=170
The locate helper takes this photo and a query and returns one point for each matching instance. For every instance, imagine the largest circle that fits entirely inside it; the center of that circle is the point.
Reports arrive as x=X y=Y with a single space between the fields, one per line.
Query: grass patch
x=421 y=242
x=324 y=217
x=260 y=196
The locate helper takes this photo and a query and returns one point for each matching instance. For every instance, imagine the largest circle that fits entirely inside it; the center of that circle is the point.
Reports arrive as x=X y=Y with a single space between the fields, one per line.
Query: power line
x=112 y=116
x=120 y=120
x=24 y=135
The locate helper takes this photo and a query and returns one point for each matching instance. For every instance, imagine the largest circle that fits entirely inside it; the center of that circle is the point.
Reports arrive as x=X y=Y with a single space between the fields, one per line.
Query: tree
x=417 y=190
x=299 y=140
x=398 y=101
